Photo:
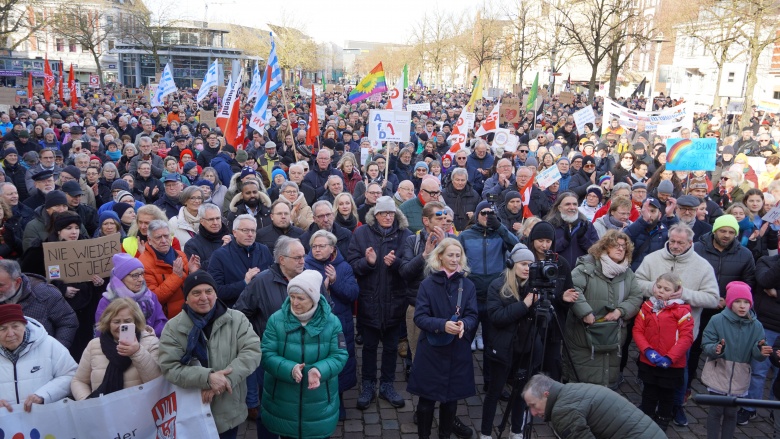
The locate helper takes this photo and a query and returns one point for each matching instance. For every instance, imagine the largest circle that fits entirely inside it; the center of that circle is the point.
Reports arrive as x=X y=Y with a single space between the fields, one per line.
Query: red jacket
x=670 y=332
x=603 y=210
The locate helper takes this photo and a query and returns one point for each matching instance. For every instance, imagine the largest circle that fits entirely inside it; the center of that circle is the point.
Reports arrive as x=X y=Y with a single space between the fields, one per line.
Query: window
x=72 y=45
x=60 y=44
x=731 y=78
x=111 y=44
x=776 y=95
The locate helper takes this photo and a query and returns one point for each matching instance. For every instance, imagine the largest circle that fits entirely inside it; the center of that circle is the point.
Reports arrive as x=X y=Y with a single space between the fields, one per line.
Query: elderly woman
x=109 y=364
x=212 y=348
x=165 y=268
x=446 y=313
x=728 y=190
x=303 y=354
x=185 y=225
x=34 y=367
x=108 y=224
x=325 y=258
x=219 y=190
x=127 y=281
x=609 y=296
x=301 y=214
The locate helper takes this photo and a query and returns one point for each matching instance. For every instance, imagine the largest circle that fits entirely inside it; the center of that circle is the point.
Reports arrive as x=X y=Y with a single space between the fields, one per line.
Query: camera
x=544 y=273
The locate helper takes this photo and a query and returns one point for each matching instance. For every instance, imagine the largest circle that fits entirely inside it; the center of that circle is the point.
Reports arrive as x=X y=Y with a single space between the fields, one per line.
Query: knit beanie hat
x=665 y=187
x=11 y=312
x=55 y=198
x=119 y=195
x=511 y=195
x=199 y=277
x=309 y=283
x=107 y=214
x=121 y=208
x=482 y=206
x=421 y=164
x=604 y=178
x=384 y=204
x=595 y=190
x=121 y=185
x=207 y=183
x=520 y=252
x=64 y=219
x=278 y=172
x=738 y=290
x=241 y=156
x=124 y=264
x=72 y=171
x=726 y=221
x=542 y=230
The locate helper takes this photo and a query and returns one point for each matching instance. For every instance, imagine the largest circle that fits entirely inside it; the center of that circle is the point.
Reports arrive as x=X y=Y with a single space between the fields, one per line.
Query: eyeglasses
x=524 y=151
x=324 y=216
x=136 y=276
x=432 y=193
x=764 y=141
x=320 y=246
x=386 y=214
x=211 y=220
x=295 y=258
x=374 y=193
x=460 y=158
x=246 y=231
x=590 y=165
x=623 y=246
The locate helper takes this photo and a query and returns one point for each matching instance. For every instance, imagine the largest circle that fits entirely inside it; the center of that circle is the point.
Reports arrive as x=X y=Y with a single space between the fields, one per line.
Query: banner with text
x=666 y=122
x=78 y=261
x=388 y=125
x=691 y=154
x=581 y=117
x=155 y=410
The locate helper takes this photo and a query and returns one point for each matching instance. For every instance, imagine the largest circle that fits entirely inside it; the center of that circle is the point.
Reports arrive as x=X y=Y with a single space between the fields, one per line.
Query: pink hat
x=738 y=290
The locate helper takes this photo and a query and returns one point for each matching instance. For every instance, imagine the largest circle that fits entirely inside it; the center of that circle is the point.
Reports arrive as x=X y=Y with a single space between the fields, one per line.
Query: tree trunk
x=720 y=64
x=99 y=68
x=614 y=58
x=752 y=79
x=592 y=85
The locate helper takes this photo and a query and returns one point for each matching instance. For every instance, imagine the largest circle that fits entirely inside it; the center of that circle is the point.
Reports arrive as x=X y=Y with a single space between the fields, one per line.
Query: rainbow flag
x=371 y=84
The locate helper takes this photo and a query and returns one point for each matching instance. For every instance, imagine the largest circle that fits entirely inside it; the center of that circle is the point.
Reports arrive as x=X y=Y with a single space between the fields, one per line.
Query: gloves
x=664 y=362
x=583 y=227
x=653 y=356
x=493 y=222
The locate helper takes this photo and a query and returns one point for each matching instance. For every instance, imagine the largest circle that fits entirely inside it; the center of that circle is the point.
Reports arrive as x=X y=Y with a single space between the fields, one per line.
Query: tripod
x=544 y=312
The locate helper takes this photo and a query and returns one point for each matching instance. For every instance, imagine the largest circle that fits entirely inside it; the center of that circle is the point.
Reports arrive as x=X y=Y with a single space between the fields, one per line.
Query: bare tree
x=523 y=47
x=18 y=21
x=85 y=24
x=434 y=35
x=480 y=44
x=146 y=28
x=631 y=35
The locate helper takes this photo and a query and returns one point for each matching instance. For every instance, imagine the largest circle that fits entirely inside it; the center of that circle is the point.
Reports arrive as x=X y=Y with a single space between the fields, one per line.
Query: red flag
x=231 y=129
x=525 y=195
x=29 y=89
x=60 y=91
x=48 y=80
x=74 y=99
x=313 y=133
x=241 y=134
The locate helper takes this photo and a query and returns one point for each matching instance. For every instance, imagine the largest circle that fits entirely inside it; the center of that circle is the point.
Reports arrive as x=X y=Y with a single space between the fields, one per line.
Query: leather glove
x=493 y=222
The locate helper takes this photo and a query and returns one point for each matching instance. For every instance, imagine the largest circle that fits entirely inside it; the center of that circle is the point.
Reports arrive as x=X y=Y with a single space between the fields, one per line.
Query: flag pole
x=289 y=123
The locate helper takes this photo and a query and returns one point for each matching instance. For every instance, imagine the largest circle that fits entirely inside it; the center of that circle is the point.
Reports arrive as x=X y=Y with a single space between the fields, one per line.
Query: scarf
x=13 y=355
x=114 y=378
x=659 y=304
x=117 y=289
x=114 y=155
x=397 y=196
x=196 y=340
x=612 y=269
x=191 y=220
x=213 y=237
x=304 y=318
x=349 y=222
x=611 y=223
x=168 y=258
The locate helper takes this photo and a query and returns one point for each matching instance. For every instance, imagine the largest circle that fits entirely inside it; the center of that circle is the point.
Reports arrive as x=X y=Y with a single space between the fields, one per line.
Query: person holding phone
x=123 y=355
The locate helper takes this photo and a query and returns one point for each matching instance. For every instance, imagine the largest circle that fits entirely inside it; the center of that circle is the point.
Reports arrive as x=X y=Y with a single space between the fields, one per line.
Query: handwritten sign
x=735 y=106
x=510 y=110
x=425 y=106
x=566 y=97
x=547 y=177
x=388 y=125
x=8 y=96
x=78 y=261
x=582 y=117
x=773 y=215
x=691 y=154
x=208 y=118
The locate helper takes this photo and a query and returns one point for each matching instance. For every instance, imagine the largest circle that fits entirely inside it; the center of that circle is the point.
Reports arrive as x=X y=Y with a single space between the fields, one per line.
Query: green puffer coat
x=599 y=295
x=585 y=411
x=289 y=408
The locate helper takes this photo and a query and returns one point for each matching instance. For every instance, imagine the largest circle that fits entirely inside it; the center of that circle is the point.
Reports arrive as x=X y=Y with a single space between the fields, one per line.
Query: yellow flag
x=476 y=93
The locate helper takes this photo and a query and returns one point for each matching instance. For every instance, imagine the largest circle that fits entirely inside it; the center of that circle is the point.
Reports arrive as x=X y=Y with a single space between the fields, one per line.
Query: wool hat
x=11 y=312
x=124 y=264
x=121 y=185
x=511 y=195
x=270 y=144
x=688 y=201
x=595 y=190
x=665 y=187
x=204 y=183
x=108 y=214
x=604 y=178
x=385 y=204
x=55 y=198
x=531 y=162
x=121 y=208
x=309 y=283
x=199 y=277
x=278 y=172
x=725 y=221
x=563 y=159
x=188 y=166
x=48 y=131
x=482 y=206
x=542 y=230
x=241 y=156
x=72 y=171
x=246 y=170
x=229 y=149
x=728 y=150
x=329 y=143
x=121 y=194
x=588 y=160
x=738 y=290
x=23 y=133
x=421 y=164
x=639 y=185
x=64 y=219
x=11 y=150
x=520 y=252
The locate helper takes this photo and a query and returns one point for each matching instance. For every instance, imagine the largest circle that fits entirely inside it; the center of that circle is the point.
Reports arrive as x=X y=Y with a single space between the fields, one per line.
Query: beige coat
x=93 y=366
x=301 y=214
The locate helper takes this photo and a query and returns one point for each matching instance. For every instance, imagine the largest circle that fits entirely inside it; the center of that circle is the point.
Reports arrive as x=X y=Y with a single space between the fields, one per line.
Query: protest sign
x=502 y=138
x=339 y=89
x=666 y=122
x=208 y=117
x=389 y=125
x=330 y=88
x=581 y=117
x=321 y=112
x=7 y=96
x=159 y=410
x=773 y=215
x=78 y=261
x=772 y=106
x=425 y=106
x=152 y=89
x=736 y=106
x=566 y=97
x=468 y=120
x=94 y=81
x=691 y=154
x=510 y=110
x=547 y=177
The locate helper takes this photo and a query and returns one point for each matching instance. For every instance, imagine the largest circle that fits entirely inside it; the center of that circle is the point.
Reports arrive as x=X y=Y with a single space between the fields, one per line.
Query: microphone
x=733 y=401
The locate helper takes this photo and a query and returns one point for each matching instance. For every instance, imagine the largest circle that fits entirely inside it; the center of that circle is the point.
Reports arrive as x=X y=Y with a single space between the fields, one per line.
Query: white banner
x=211 y=80
x=165 y=87
x=666 y=122
x=468 y=120
x=425 y=106
x=547 y=177
x=389 y=126
x=502 y=138
x=155 y=410
x=582 y=117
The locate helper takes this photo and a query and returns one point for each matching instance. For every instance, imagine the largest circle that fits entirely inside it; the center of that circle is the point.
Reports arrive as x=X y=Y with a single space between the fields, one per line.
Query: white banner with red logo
x=155 y=410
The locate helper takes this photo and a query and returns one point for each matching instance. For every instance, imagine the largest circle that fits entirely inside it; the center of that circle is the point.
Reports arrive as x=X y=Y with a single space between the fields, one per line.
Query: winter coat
x=301 y=215
x=413 y=264
x=316 y=178
x=235 y=188
x=603 y=225
x=44 y=368
x=93 y=364
x=291 y=409
x=444 y=373
x=160 y=279
x=382 y=300
x=141 y=184
x=30 y=184
x=461 y=202
x=485 y=249
x=587 y=411
x=508 y=219
x=598 y=295
x=538 y=204
x=45 y=303
x=700 y=287
x=232 y=344
x=412 y=209
x=262 y=297
x=36 y=230
x=579 y=183
x=669 y=332
x=15 y=174
x=269 y=234
x=181 y=229
x=473 y=163
x=238 y=207
x=573 y=241
x=146 y=300
x=221 y=163
x=11 y=245
x=767 y=307
x=343 y=236
x=645 y=240
x=204 y=244
x=343 y=294
x=350 y=181
x=511 y=325
x=170 y=206
x=229 y=265
x=733 y=263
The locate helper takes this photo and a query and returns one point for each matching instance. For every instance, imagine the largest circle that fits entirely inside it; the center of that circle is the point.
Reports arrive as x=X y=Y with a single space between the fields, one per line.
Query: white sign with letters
x=389 y=125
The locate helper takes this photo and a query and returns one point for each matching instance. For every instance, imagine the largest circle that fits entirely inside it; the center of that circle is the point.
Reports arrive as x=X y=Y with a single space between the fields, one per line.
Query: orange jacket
x=161 y=280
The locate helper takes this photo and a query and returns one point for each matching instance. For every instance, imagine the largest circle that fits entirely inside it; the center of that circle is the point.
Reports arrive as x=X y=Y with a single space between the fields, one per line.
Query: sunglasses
x=724 y=178
x=524 y=151
x=441 y=213
x=590 y=165
x=487 y=213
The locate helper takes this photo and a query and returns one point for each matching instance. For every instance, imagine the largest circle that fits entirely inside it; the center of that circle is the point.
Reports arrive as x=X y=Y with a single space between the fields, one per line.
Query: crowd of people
x=254 y=272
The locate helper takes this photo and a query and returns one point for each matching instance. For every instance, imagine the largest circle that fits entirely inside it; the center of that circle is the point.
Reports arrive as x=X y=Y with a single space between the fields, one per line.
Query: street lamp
x=658 y=40
x=553 y=52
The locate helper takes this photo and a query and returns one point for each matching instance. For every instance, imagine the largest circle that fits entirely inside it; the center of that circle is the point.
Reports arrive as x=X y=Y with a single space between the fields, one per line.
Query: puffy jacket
x=45 y=303
x=229 y=264
x=742 y=335
x=262 y=297
x=44 y=368
x=292 y=409
x=232 y=344
x=767 y=307
x=670 y=332
x=160 y=279
x=461 y=202
x=645 y=239
x=238 y=207
x=301 y=215
x=316 y=178
x=473 y=163
x=93 y=364
x=539 y=203
x=382 y=300
x=583 y=411
x=146 y=300
x=412 y=209
x=11 y=246
x=343 y=294
x=168 y=205
x=485 y=250
x=221 y=164
x=734 y=263
x=579 y=183
x=142 y=184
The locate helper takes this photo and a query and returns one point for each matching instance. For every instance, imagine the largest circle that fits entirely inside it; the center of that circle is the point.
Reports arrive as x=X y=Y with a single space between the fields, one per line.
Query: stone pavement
x=382 y=420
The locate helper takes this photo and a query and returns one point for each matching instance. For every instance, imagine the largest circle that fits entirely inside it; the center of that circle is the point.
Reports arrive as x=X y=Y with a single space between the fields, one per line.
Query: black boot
x=424 y=422
x=662 y=422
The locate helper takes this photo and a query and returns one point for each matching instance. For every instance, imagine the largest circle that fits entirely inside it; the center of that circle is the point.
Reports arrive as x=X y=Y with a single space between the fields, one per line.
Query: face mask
x=114 y=155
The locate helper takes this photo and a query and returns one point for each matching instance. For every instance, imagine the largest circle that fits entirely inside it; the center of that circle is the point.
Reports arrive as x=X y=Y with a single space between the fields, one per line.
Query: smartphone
x=127 y=332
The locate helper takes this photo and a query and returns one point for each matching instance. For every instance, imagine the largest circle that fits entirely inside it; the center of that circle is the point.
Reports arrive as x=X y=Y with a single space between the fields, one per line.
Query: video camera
x=543 y=274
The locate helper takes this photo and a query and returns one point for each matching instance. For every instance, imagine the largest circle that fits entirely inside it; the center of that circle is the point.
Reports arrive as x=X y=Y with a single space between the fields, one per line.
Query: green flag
x=323 y=83
x=406 y=76
x=532 y=94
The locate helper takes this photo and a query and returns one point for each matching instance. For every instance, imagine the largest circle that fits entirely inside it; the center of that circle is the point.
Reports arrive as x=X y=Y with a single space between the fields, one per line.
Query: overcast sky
x=334 y=20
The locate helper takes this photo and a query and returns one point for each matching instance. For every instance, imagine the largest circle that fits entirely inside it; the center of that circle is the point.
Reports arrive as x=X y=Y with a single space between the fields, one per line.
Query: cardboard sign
x=208 y=118
x=8 y=96
x=389 y=125
x=691 y=154
x=517 y=89
x=338 y=89
x=78 y=261
x=547 y=177
x=735 y=107
x=425 y=106
x=581 y=117
x=566 y=97
x=510 y=110
x=306 y=82
x=330 y=88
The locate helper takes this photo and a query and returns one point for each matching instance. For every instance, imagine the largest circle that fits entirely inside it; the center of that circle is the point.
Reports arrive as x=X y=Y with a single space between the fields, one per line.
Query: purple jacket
x=146 y=299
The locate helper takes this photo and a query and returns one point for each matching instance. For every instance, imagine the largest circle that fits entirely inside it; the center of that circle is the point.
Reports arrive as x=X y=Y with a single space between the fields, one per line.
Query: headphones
x=508 y=262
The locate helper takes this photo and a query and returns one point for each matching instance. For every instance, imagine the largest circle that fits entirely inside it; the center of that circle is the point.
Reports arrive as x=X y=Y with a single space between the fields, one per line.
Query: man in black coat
x=213 y=233
x=88 y=214
x=280 y=225
x=169 y=202
x=767 y=309
x=322 y=212
x=317 y=177
x=461 y=197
